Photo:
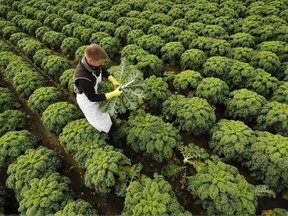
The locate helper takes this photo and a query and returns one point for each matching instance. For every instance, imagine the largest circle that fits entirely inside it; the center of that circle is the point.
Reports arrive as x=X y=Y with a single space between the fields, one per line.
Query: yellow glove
x=113 y=81
x=114 y=93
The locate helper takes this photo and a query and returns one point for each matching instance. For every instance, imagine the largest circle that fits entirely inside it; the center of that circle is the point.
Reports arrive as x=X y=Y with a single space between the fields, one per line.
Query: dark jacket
x=85 y=81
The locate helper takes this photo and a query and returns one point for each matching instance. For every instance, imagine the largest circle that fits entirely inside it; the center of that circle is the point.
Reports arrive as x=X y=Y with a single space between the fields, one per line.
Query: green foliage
x=152 y=197
x=55 y=65
x=266 y=60
x=222 y=190
x=161 y=18
x=232 y=139
x=156 y=91
x=35 y=163
x=58 y=115
x=7 y=99
x=186 y=81
x=103 y=26
x=104 y=169
x=41 y=54
x=15 y=65
x=128 y=100
x=148 y=133
x=269 y=160
x=214 y=90
x=281 y=93
x=151 y=43
x=280 y=48
x=176 y=13
x=83 y=34
x=41 y=31
x=69 y=46
x=239 y=74
x=192 y=153
x=133 y=36
x=111 y=45
x=29 y=26
x=230 y=24
x=8 y=31
x=13 y=144
x=264 y=83
x=108 y=15
x=244 y=104
x=12 y=120
x=170 y=33
x=180 y=23
x=132 y=52
x=213 y=31
x=243 y=54
x=194 y=115
x=150 y=64
x=58 y=23
x=171 y=52
x=98 y=36
x=274 y=117
x=80 y=53
x=137 y=23
x=43 y=97
x=46 y=195
x=66 y=80
x=192 y=59
x=29 y=46
x=15 y=37
x=4 y=47
x=27 y=82
x=186 y=37
x=77 y=133
x=53 y=39
x=78 y=207
x=69 y=29
x=121 y=33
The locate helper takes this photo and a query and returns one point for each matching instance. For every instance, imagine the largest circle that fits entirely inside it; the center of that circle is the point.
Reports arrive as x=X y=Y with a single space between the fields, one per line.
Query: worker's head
x=95 y=55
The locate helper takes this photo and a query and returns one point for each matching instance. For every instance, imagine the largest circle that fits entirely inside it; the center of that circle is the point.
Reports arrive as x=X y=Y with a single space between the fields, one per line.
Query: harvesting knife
x=126 y=84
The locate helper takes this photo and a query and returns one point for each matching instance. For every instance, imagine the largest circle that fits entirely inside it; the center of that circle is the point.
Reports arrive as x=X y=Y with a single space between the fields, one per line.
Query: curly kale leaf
x=233 y=139
x=35 y=163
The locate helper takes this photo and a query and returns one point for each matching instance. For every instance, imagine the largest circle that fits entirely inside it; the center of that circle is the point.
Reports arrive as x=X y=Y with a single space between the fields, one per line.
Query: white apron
x=101 y=121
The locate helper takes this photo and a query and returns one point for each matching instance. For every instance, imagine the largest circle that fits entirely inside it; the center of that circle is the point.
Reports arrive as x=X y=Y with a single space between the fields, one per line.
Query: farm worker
x=87 y=75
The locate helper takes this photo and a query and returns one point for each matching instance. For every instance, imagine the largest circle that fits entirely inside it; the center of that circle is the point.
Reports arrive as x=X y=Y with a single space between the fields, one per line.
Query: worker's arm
x=88 y=89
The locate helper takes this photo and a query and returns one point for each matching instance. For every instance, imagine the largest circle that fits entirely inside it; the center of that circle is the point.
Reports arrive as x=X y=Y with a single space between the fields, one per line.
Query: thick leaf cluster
x=78 y=207
x=278 y=47
x=242 y=39
x=156 y=91
x=111 y=45
x=274 y=118
x=46 y=195
x=77 y=133
x=6 y=99
x=221 y=190
x=269 y=160
x=232 y=139
x=11 y=120
x=170 y=33
x=171 y=52
x=13 y=144
x=266 y=60
x=53 y=39
x=104 y=169
x=186 y=37
x=35 y=163
x=66 y=80
x=192 y=59
x=281 y=93
x=148 y=133
x=264 y=83
x=150 y=64
x=58 y=115
x=69 y=46
x=27 y=82
x=151 y=43
x=55 y=65
x=244 y=104
x=18 y=65
x=243 y=54
x=213 y=31
x=187 y=80
x=29 y=46
x=214 y=90
x=151 y=197
x=195 y=115
x=41 y=54
x=43 y=97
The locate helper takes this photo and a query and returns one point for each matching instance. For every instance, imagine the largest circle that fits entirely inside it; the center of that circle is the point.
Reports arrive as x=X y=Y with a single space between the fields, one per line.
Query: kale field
x=202 y=130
